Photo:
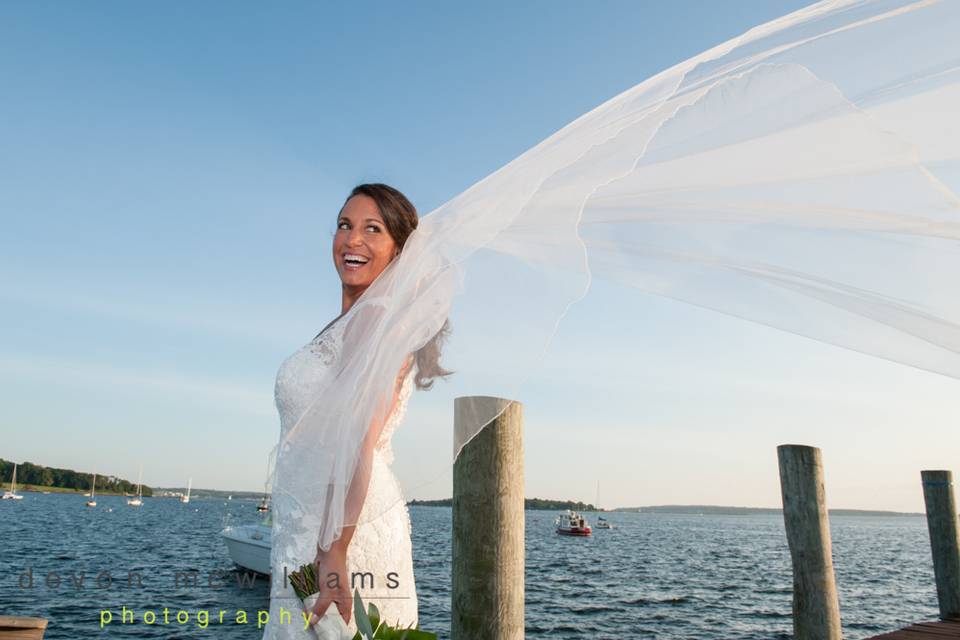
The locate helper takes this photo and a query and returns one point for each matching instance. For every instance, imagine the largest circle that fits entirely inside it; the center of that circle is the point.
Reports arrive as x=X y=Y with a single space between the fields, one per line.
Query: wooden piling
x=816 y=608
x=944 y=539
x=488 y=524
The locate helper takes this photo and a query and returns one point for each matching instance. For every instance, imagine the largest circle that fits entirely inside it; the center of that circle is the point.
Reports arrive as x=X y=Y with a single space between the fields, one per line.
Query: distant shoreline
x=530 y=504
x=746 y=511
x=536 y=504
x=36 y=488
x=158 y=492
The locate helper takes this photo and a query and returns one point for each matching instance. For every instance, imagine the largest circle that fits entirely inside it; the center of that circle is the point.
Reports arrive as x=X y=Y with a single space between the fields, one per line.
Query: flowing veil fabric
x=803 y=175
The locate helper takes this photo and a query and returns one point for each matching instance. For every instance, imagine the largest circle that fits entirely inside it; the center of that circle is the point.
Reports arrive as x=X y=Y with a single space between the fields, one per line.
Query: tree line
x=29 y=473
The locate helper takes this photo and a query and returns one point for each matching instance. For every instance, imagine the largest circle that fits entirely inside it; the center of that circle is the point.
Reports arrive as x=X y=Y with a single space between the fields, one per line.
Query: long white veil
x=803 y=175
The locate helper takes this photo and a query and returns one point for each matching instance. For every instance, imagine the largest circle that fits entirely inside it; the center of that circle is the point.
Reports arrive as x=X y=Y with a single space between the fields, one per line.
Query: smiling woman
x=372 y=228
x=362 y=246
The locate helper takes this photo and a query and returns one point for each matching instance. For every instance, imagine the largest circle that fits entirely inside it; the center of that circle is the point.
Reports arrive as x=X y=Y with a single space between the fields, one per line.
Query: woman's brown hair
x=400 y=217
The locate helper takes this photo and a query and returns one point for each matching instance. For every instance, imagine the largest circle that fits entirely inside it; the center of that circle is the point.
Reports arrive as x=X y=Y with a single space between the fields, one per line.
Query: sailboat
x=602 y=522
x=138 y=501
x=186 y=498
x=12 y=494
x=265 y=503
x=92 y=502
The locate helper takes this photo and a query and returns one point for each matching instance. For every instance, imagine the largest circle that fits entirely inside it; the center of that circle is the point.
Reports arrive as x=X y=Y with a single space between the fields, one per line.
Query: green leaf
x=363 y=622
x=374 y=615
x=371 y=627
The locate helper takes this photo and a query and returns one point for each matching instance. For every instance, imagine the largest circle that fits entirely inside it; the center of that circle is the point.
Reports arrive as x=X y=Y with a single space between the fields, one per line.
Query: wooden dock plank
x=939 y=630
x=21 y=628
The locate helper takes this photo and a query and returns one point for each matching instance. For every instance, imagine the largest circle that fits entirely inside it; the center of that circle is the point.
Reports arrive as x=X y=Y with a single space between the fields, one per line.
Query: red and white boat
x=572 y=523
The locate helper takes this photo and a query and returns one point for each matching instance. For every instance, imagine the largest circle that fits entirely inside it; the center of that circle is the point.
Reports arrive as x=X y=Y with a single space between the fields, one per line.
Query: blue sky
x=168 y=179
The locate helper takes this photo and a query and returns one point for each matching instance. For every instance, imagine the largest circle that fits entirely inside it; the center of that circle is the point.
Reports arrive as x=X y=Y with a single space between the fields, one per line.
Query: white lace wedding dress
x=381 y=545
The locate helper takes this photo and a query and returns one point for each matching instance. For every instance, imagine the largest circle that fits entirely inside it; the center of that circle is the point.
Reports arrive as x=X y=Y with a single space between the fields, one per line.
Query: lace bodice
x=306 y=370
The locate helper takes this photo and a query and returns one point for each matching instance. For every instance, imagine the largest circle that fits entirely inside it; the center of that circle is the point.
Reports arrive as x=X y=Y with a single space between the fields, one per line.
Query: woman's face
x=362 y=246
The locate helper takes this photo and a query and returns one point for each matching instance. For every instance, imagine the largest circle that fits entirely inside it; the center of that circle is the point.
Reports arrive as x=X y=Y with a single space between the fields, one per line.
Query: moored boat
x=249 y=546
x=264 y=505
x=92 y=502
x=11 y=494
x=185 y=499
x=138 y=500
x=572 y=523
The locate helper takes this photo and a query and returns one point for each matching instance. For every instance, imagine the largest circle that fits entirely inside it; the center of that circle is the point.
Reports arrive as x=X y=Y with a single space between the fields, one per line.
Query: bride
x=375 y=554
x=804 y=175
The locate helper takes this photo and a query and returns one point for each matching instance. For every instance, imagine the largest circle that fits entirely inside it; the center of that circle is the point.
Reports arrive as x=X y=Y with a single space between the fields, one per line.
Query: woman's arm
x=360 y=483
x=335 y=559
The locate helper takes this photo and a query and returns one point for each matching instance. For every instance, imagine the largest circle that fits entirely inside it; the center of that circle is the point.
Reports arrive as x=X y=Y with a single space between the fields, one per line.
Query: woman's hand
x=326 y=563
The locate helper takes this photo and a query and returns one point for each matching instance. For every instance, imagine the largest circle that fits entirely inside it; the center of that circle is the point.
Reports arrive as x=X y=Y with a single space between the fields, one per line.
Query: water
x=654 y=575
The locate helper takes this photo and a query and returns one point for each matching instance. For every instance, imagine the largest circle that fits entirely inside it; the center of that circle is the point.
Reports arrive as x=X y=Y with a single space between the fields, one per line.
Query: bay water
x=653 y=575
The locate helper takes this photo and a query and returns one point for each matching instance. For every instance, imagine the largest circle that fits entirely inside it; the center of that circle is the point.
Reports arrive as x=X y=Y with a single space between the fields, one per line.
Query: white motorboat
x=571 y=523
x=92 y=502
x=138 y=500
x=249 y=546
x=11 y=494
x=603 y=523
x=186 y=498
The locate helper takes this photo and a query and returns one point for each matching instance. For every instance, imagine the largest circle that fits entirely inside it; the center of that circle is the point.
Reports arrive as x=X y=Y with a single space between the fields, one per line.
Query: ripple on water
x=663 y=576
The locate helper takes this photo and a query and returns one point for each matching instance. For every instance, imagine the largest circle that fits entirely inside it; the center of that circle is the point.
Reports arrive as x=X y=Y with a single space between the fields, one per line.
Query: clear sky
x=169 y=176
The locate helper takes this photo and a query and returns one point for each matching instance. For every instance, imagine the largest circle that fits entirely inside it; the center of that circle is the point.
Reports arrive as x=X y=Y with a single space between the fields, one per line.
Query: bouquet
x=369 y=625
